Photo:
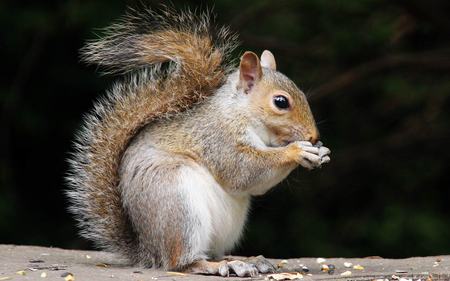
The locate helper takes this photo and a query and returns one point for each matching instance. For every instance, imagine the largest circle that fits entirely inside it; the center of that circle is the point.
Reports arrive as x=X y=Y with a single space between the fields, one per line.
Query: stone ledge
x=40 y=263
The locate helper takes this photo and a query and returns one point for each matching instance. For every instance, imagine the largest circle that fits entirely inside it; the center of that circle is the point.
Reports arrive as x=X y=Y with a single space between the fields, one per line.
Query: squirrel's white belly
x=271 y=178
x=221 y=215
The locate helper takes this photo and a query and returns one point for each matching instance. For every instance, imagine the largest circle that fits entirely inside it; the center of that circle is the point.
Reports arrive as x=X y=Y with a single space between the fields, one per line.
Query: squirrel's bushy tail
x=139 y=44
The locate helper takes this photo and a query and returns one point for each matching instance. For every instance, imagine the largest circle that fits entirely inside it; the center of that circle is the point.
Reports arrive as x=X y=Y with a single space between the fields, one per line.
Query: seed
x=346 y=273
x=358 y=267
x=43 y=274
x=331 y=266
x=305 y=269
x=348 y=264
x=324 y=268
x=320 y=260
x=69 y=277
x=282 y=263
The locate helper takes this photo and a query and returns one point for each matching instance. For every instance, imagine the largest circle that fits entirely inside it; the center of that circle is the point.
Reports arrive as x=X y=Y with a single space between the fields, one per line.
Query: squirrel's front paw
x=313 y=156
x=324 y=152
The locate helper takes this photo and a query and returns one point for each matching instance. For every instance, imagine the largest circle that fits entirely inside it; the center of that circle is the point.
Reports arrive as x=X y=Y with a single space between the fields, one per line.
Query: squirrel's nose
x=313 y=137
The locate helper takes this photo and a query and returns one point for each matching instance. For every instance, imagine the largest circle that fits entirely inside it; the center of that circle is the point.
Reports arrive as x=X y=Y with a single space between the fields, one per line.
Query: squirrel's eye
x=281 y=102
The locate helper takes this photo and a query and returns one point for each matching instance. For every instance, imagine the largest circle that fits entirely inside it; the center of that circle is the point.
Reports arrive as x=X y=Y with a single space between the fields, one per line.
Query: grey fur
x=149 y=217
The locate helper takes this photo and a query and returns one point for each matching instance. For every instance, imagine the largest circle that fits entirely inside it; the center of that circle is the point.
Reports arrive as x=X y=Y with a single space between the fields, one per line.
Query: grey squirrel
x=166 y=163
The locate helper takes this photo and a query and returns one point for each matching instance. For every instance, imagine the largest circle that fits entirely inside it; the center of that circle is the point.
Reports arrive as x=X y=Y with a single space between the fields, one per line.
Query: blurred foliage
x=377 y=76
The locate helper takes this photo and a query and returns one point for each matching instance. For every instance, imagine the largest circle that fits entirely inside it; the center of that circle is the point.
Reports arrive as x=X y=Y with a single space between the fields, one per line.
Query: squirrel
x=165 y=165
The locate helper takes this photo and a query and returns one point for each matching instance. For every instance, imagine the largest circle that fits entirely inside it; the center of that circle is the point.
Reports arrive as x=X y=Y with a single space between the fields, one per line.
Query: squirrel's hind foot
x=251 y=267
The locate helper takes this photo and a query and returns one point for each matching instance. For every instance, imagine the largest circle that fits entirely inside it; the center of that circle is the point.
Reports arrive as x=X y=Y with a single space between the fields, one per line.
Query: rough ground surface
x=39 y=263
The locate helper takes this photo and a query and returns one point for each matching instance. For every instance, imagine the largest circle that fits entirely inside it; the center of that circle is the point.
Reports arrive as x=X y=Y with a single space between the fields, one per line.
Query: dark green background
x=377 y=76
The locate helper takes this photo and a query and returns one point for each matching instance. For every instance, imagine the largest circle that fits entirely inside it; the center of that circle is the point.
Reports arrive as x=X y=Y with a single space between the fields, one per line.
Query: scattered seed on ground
x=305 y=269
x=358 y=267
x=320 y=260
x=176 y=273
x=331 y=266
x=348 y=264
x=285 y=276
x=69 y=277
x=282 y=263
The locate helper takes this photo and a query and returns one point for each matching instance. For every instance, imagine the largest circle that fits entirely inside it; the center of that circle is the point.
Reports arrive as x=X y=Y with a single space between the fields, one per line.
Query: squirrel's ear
x=250 y=71
x=268 y=60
